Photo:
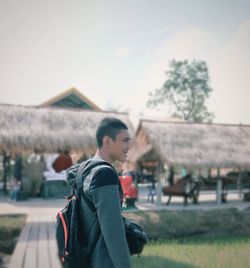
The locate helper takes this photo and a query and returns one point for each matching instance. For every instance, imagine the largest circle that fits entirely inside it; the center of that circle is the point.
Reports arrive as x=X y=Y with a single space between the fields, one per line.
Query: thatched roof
x=71 y=98
x=194 y=145
x=51 y=129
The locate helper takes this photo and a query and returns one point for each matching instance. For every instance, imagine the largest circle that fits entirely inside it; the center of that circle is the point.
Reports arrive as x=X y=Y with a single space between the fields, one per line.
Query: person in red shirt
x=62 y=162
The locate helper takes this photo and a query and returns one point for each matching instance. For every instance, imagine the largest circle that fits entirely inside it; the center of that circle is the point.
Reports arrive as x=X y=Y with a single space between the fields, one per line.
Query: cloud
x=228 y=62
x=160 y=30
x=230 y=77
x=121 y=52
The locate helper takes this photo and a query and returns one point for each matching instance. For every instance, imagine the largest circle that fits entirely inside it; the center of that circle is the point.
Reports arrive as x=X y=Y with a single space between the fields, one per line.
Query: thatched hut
x=51 y=129
x=192 y=145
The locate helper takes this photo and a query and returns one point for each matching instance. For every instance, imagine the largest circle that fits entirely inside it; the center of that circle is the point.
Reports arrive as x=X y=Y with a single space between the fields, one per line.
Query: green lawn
x=216 y=253
x=215 y=238
x=10 y=228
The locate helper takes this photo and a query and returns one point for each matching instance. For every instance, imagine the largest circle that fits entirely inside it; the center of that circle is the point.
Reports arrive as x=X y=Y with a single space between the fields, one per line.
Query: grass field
x=10 y=228
x=183 y=239
x=216 y=238
x=222 y=253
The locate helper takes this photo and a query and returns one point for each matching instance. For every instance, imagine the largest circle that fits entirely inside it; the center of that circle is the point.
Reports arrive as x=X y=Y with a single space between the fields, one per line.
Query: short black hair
x=109 y=126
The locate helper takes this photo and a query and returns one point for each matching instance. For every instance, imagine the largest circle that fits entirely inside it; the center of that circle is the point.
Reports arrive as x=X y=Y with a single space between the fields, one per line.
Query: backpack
x=135 y=235
x=73 y=250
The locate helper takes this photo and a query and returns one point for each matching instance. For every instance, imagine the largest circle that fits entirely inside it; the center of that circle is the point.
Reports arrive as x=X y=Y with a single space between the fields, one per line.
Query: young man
x=102 y=187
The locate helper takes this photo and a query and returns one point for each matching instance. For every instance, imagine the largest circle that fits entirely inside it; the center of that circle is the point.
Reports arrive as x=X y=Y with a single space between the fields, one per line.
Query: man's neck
x=101 y=154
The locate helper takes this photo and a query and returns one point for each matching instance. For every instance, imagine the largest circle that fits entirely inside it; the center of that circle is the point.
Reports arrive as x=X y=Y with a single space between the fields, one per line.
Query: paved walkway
x=32 y=206
x=40 y=206
x=207 y=201
x=37 y=247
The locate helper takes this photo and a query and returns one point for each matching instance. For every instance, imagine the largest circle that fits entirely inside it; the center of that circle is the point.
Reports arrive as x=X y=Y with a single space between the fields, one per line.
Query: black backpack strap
x=79 y=186
x=82 y=172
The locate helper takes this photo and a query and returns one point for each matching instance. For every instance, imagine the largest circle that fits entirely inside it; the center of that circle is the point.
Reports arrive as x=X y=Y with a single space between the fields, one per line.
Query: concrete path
x=31 y=206
x=207 y=200
x=40 y=206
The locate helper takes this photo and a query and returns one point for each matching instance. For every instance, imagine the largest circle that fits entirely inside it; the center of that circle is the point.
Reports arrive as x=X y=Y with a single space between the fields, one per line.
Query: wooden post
x=6 y=169
x=219 y=188
x=158 y=186
x=239 y=183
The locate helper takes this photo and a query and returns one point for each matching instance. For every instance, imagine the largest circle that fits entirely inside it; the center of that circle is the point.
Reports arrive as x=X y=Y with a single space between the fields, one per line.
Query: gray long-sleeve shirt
x=103 y=189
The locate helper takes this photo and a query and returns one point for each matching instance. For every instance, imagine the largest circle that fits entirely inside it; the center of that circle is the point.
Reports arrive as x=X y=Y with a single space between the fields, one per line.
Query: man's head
x=112 y=138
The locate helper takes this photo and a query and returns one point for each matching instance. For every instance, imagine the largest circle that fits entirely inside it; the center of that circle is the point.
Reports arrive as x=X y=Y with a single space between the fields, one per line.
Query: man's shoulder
x=104 y=175
x=104 y=168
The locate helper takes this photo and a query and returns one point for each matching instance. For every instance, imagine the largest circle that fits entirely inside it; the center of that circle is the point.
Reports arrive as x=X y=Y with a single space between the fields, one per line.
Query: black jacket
x=102 y=187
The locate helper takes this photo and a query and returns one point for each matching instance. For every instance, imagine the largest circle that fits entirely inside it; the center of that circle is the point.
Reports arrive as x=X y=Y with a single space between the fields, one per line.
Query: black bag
x=136 y=237
x=72 y=248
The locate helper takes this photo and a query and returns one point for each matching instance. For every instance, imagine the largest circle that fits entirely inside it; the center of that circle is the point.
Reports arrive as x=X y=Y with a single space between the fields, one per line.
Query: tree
x=185 y=91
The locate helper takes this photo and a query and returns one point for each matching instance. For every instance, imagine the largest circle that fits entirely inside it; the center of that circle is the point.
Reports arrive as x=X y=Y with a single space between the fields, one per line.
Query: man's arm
x=106 y=199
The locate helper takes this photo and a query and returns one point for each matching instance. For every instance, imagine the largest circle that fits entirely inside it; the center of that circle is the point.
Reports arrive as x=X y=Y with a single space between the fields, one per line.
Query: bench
x=210 y=184
x=241 y=182
x=185 y=188
x=228 y=183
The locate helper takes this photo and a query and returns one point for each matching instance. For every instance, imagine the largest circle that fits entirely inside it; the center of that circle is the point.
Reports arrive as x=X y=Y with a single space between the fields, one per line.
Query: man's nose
x=128 y=145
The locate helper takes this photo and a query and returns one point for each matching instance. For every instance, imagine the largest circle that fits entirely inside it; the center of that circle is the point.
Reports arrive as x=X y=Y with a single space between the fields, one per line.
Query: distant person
x=15 y=186
x=16 y=181
x=130 y=173
x=62 y=162
x=6 y=168
x=171 y=176
x=151 y=189
x=33 y=168
x=18 y=166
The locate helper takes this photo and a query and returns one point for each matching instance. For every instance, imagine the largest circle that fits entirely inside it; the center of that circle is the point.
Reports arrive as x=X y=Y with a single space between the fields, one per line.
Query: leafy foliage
x=185 y=91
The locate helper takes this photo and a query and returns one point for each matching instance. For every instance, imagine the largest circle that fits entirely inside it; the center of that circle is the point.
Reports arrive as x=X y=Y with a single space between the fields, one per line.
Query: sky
x=116 y=52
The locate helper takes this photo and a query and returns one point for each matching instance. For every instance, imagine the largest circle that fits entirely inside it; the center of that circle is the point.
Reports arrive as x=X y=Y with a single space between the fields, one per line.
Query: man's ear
x=106 y=141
